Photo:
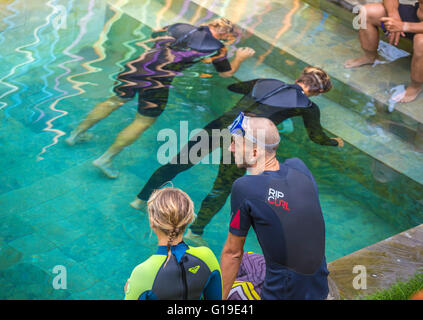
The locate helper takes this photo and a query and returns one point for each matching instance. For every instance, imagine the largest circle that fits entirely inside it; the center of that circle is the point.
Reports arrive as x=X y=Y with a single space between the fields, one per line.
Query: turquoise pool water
x=57 y=209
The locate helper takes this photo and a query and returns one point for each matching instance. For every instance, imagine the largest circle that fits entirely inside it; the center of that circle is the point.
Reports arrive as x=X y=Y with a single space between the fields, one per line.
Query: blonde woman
x=176 y=271
x=175 y=48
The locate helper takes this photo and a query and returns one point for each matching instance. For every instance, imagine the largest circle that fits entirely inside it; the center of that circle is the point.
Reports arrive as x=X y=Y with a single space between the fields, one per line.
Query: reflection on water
x=60 y=63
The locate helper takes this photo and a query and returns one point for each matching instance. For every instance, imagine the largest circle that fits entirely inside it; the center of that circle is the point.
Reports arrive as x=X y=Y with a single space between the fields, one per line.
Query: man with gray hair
x=280 y=201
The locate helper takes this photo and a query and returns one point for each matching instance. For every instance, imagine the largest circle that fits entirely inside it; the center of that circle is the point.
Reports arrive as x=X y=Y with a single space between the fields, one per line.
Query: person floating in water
x=397 y=20
x=269 y=98
x=176 y=48
x=176 y=271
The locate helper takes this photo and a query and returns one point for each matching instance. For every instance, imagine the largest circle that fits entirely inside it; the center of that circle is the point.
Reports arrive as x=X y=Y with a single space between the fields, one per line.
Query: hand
x=395 y=27
x=394 y=38
x=340 y=142
x=245 y=53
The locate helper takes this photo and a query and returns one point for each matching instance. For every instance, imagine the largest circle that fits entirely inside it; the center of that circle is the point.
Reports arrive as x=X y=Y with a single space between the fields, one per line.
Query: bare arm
x=230 y=261
x=391 y=7
x=416 y=27
x=393 y=25
x=241 y=55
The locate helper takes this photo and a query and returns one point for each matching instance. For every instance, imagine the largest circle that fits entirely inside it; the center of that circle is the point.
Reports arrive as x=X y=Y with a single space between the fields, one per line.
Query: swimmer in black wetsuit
x=289 y=101
x=176 y=48
x=280 y=201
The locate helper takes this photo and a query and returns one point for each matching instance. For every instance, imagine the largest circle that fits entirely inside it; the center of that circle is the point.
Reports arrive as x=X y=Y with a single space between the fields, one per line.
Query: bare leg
x=125 y=138
x=416 y=85
x=369 y=37
x=101 y=111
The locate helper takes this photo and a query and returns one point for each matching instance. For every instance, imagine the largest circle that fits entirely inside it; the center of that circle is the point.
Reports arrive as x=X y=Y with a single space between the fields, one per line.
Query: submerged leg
x=416 y=85
x=101 y=111
x=169 y=171
x=125 y=138
x=216 y=199
x=369 y=36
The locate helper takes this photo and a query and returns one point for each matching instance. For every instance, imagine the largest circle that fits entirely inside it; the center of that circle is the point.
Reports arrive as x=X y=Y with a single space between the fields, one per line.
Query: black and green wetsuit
x=192 y=273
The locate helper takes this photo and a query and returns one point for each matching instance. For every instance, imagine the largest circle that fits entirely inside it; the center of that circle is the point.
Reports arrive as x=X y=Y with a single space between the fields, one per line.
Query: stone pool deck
x=394 y=259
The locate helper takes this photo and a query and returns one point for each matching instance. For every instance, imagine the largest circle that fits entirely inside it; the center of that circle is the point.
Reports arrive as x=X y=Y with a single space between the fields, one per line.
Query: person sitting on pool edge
x=176 y=48
x=398 y=20
x=280 y=201
x=176 y=271
x=269 y=98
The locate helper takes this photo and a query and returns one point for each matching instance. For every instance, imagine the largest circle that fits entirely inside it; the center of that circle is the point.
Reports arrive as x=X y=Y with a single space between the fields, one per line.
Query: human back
x=286 y=216
x=176 y=271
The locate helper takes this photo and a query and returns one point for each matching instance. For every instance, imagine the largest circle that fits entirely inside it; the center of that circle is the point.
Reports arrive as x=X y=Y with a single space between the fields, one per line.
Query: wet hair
x=170 y=210
x=222 y=26
x=316 y=79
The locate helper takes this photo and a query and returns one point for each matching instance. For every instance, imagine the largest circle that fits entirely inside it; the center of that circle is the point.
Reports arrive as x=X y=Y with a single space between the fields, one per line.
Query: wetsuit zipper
x=184 y=280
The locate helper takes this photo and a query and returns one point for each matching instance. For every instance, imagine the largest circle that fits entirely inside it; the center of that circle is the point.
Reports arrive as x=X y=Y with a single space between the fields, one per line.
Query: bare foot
x=358 y=62
x=410 y=94
x=106 y=168
x=195 y=238
x=75 y=137
x=139 y=204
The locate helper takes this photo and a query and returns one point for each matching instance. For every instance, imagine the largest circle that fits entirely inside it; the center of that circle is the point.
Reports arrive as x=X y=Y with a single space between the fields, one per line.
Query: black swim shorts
x=408 y=13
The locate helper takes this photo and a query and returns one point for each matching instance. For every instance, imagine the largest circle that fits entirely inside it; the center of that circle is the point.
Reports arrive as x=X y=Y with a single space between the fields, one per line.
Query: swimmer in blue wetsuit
x=268 y=98
x=176 y=48
x=280 y=202
x=176 y=271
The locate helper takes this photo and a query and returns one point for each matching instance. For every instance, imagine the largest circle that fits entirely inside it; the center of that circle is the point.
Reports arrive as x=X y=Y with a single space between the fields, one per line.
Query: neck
x=163 y=241
x=213 y=32
x=271 y=164
x=305 y=89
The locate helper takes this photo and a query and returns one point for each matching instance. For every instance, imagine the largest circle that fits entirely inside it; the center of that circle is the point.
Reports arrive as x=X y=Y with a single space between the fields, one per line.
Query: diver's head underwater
x=314 y=81
x=224 y=30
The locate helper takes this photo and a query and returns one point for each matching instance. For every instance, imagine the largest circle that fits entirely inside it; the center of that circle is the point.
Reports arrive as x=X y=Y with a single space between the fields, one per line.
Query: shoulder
x=206 y=255
x=244 y=184
x=313 y=108
x=249 y=187
x=179 y=24
x=299 y=165
x=149 y=266
x=142 y=277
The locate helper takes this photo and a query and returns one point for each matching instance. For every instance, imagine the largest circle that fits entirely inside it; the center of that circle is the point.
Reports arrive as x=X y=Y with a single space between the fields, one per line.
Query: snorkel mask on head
x=240 y=127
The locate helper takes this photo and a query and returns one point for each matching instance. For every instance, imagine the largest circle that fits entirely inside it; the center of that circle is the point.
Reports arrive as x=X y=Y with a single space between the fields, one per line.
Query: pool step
x=383 y=264
x=358 y=112
x=294 y=27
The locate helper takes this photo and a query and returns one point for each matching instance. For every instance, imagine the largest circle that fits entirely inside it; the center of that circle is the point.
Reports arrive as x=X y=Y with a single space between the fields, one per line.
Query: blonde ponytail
x=170 y=210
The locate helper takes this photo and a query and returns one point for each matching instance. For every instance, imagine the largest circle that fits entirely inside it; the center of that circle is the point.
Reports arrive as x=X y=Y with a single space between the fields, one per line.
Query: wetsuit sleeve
x=213 y=287
x=240 y=213
x=244 y=87
x=311 y=118
x=139 y=285
x=220 y=61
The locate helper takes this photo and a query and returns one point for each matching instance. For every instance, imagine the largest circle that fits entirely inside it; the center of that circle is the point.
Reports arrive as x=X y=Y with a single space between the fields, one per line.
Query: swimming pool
x=56 y=209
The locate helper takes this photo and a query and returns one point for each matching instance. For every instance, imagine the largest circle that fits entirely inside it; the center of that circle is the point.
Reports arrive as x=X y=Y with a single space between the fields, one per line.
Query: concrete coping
x=382 y=264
